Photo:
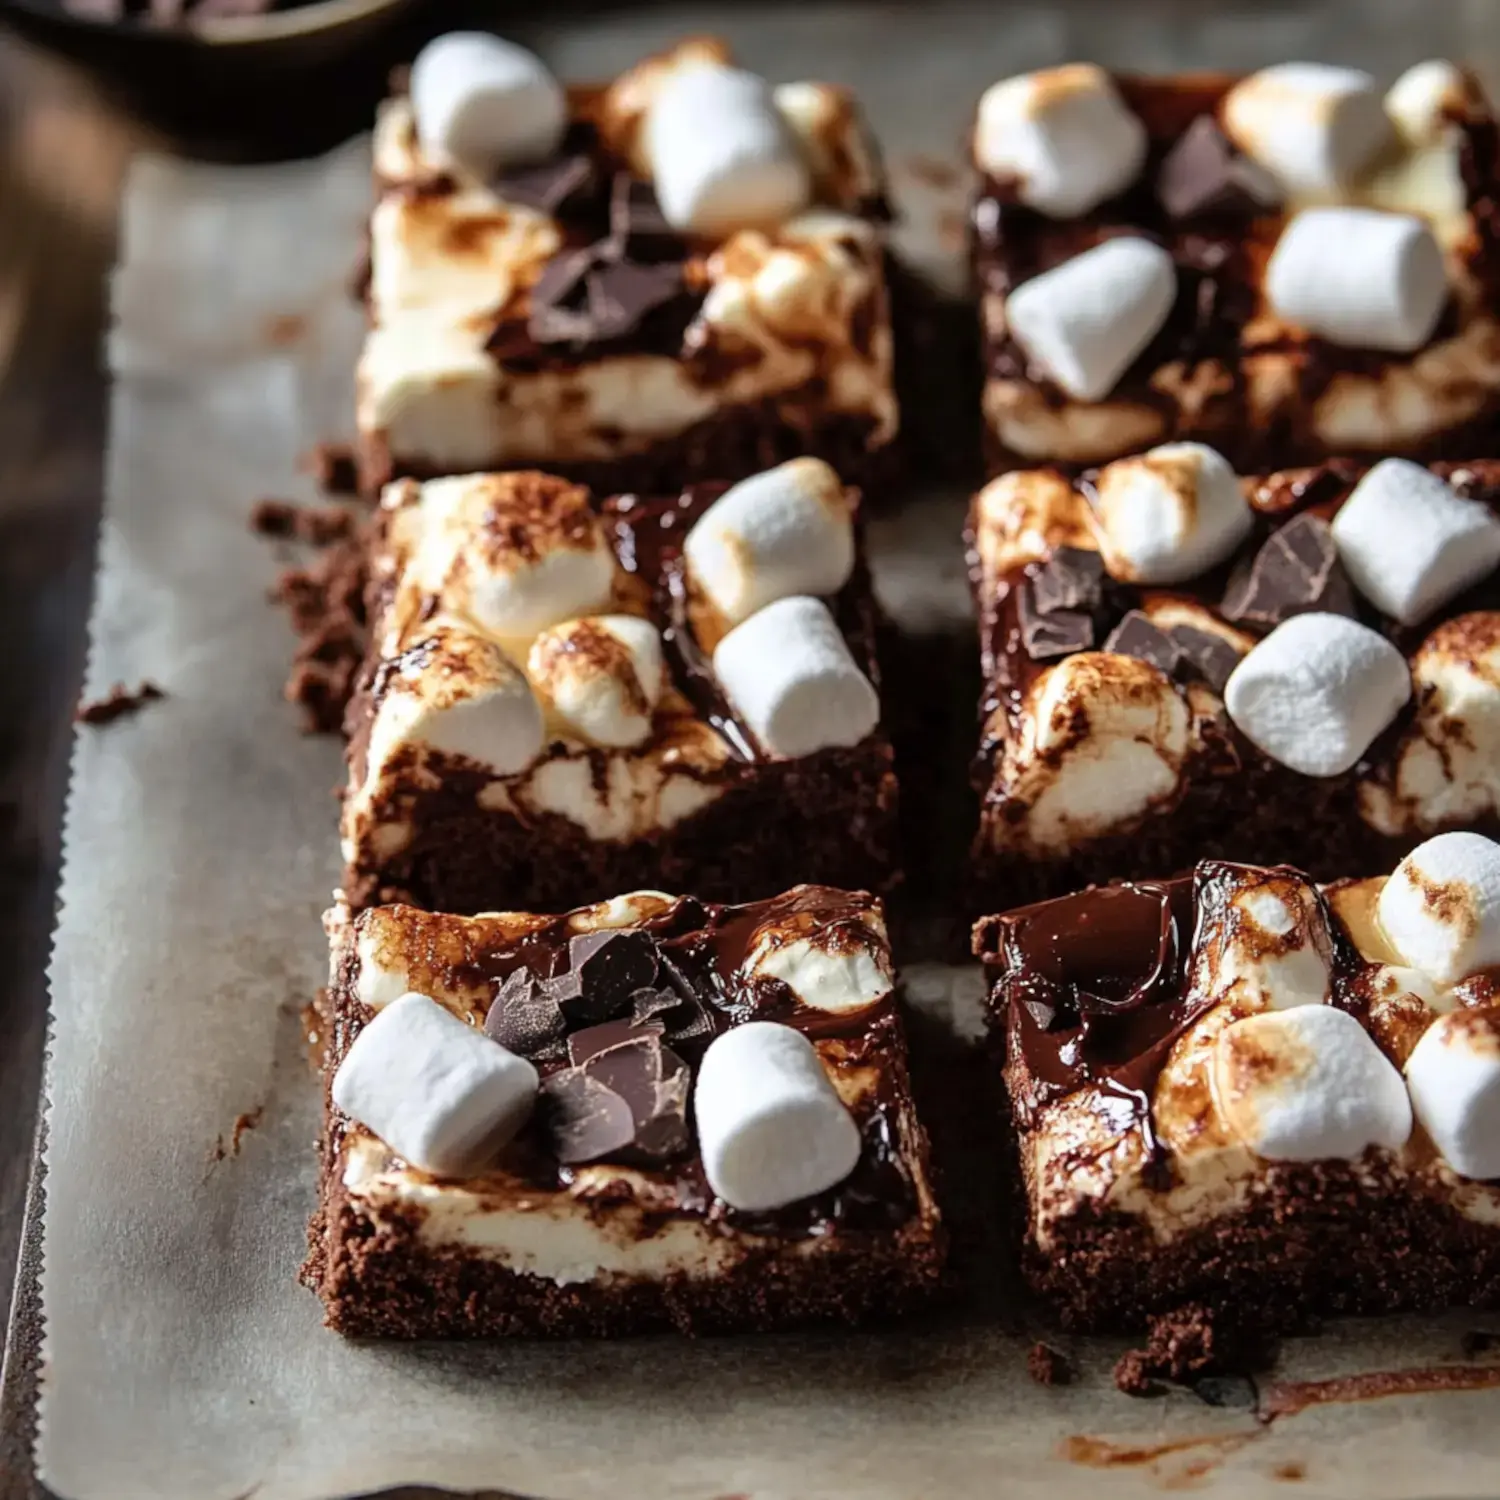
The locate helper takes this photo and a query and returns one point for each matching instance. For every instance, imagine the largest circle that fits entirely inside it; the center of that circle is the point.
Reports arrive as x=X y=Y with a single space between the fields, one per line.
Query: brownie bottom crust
x=828 y=819
x=1314 y=1242
x=729 y=445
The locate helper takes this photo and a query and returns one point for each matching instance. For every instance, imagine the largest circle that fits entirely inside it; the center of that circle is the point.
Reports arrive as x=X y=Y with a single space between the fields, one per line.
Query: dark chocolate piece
x=1203 y=173
x=582 y=1045
x=1060 y=633
x=622 y=295
x=1072 y=578
x=1207 y=655
x=118 y=703
x=637 y=225
x=1296 y=571
x=560 y=187
x=584 y=1117
x=631 y=1064
x=524 y=1018
x=609 y=967
x=1136 y=636
x=559 y=300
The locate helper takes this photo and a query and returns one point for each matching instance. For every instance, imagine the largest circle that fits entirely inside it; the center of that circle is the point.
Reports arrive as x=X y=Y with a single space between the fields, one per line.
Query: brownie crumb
x=333 y=467
x=1188 y=1343
x=326 y=603
x=1133 y=1375
x=1049 y=1366
x=118 y=703
x=321 y=525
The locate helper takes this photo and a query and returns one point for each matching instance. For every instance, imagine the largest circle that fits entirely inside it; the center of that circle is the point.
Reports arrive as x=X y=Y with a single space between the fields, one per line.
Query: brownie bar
x=549 y=316
x=1193 y=1131
x=690 y=797
x=1222 y=365
x=1078 y=787
x=564 y=1235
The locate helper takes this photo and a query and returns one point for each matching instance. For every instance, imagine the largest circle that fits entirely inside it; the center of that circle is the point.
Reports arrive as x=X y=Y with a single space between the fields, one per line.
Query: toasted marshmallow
x=771 y=1126
x=1426 y=100
x=437 y=1091
x=1315 y=693
x=517 y=557
x=1454 y=1077
x=1359 y=277
x=1312 y=126
x=485 y=103
x=838 y=968
x=1307 y=1085
x=1085 y=321
x=1169 y=514
x=786 y=531
x=1409 y=543
x=602 y=675
x=835 y=140
x=458 y=694
x=1267 y=945
x=1104 y=740
x=722 y=156
x=789 y=673
x=1063 y=136
x=1440 y=910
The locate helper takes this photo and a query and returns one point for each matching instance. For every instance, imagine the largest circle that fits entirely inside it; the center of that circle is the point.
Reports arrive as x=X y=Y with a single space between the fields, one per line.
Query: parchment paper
x=181 y=1360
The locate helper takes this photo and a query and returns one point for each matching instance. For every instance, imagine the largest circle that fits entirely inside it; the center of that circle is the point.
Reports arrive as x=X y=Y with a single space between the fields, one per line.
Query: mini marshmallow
x=1359 y=277
x=1307 y=1085
x=1440 y=910
x=1315 y=693
x=787 y=531
x=1063 y=136
x=459 y=694
x=1453 y=1074
x=485 y=103
x=771 y=1126
x=789 y=673
x=722 y=156
x=437 y=1091
x=840 y=969
x=1169 y=514
x=1313 y=126
x=602 y=675
x=1425 y=100
x=1085 y=321
x=1409 y=543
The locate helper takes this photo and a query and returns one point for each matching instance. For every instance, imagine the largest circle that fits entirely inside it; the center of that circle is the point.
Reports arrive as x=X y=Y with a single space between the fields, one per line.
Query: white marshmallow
x=787 y=531
x=1267 y=946
x=722 y=156
x=1440 y=910
x=771 y=1126
x=1169 y=514
x=1313 y=126
x=1454 y=1077
x=789 y=673
x=485 y=103
x=1409 y=543
x=459 y=695
x=1084 y=322
x=841 y=969
x=1063 y=135
x=1425 y=100
x=1315 y=693
x=1308 y=1085
x=602 y=675
x=437 y=1091
x=1359 y=277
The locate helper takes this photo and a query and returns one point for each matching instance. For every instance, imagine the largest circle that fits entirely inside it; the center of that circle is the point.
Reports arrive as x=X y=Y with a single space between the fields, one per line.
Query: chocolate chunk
x=1297 y=570
x=559 y=187
x=1205 y=654
x=582 y=1045
x=637 y=225
x=622 y=295
x=665 y=1133
x=1136 y=636
x=559 y=303
x=1072 y=578
x=1204 y=174
x=585 y=1118
x=629 y=1064
x=1060 y=633
x=690 y=1021
x=610 y=966
x=525 y=1019
x=652 y=1002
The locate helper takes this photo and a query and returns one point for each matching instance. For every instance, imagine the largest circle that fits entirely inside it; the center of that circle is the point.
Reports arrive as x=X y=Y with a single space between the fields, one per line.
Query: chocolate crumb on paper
x=119 y=703
x=318 y=525
x=1049 y=1366
x=333 y=468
